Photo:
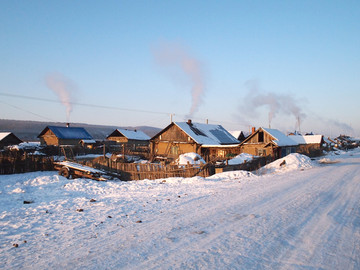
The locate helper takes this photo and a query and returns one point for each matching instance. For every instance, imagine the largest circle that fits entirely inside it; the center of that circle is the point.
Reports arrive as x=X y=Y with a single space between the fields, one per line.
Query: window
x=261 y=136
x=221 y=153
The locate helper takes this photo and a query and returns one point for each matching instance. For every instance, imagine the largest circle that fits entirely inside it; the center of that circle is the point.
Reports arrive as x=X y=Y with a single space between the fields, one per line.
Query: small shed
x=56 y=135
x=133 y=139
x=8 y=138
x=266 y=141
x=209 y=141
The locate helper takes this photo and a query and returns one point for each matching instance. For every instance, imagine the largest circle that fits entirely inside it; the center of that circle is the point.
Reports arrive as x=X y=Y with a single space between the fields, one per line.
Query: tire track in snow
x=290 y=225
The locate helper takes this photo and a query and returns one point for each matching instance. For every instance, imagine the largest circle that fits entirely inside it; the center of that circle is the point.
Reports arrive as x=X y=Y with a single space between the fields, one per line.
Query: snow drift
x=189 y=158
x=291 y=162
x=241 y=158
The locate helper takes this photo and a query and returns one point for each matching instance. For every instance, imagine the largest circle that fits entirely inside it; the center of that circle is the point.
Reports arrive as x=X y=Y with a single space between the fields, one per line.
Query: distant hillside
x=29 y=130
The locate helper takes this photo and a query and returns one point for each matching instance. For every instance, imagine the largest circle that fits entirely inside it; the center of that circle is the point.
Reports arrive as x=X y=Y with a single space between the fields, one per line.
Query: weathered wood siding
x=120 y=139
x=49 y=138
x=11 y=139
x=257 y=138
x=257 y=149
x=258 y=145
x=173 y=142
x=210 y=153
x=311 y=150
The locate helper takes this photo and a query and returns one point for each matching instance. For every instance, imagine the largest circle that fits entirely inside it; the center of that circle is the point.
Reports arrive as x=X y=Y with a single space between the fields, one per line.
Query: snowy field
x=301 y=215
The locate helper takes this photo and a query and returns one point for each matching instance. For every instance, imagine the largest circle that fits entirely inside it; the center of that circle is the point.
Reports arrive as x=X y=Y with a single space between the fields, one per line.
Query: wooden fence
x=17 y=162
x=21 y=162
x=136 y=171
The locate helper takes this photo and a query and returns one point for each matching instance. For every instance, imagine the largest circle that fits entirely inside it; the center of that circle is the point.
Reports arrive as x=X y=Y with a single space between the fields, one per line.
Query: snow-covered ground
x=306 y=217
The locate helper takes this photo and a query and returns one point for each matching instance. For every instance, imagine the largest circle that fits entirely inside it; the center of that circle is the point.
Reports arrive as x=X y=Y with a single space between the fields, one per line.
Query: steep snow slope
x=300 y=219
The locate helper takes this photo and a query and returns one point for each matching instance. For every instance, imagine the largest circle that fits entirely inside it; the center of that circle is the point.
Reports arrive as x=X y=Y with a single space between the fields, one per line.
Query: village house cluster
x=211 y=142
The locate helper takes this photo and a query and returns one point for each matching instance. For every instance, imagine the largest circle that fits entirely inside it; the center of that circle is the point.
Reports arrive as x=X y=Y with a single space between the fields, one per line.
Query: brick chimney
x=189 y=122
x=253 y=129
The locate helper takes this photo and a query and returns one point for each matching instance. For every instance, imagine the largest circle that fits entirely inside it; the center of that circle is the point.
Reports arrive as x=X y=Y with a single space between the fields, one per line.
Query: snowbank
x=291 y=162
x=240 y=159
x=190 y=158
x=233 y=175
x=26 y=146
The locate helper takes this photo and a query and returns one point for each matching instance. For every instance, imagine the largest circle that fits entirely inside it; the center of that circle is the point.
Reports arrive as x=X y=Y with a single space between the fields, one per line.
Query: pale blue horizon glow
x=111 y=53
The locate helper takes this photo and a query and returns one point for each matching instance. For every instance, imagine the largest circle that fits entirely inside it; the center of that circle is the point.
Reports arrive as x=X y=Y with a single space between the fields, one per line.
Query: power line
x=84 y=104
x=16 y=107
x=105 y=107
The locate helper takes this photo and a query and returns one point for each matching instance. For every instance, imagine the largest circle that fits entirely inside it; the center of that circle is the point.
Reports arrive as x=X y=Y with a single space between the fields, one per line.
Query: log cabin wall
x=209 y=153
x=256 y=149
x=311 y=150
x=260 y=144
x=69 y=141
x=49 y=138
x=120 y=139
x=172 y=143
x=11 y=139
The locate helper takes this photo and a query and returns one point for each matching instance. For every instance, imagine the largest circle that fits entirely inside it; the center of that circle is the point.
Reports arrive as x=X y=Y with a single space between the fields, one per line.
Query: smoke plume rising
x=177 y=59
x=343 y=127
x=63 y=88
x=275 y=103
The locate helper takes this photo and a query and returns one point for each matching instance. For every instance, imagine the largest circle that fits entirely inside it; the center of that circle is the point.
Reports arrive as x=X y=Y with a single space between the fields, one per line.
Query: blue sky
x=236 y=63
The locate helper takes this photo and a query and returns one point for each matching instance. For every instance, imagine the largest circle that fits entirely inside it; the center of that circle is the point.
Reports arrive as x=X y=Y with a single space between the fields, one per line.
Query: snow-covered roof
x=134 y=134
x=68 y=132
x=280 y=138
x=4 y=135
x=306 y=139
x=207 y=134
x=235 y=133
x=88 y=141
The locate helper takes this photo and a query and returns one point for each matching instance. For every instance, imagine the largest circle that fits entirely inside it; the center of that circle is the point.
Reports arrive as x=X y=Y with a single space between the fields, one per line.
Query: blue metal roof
x=207 y=134
x=77 y=133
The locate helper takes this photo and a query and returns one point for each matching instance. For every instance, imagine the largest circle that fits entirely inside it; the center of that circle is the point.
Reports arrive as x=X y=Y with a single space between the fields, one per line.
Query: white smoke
x=343 y=127
x=175 y=57
x=274 y=102
x=63 y=88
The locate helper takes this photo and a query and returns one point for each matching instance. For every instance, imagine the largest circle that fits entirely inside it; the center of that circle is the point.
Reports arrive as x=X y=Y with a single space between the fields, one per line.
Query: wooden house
x=266 y=141
x=133 y=139
x=209 y=141
x=55 y=135
x=8 y=138
x=311 y=145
